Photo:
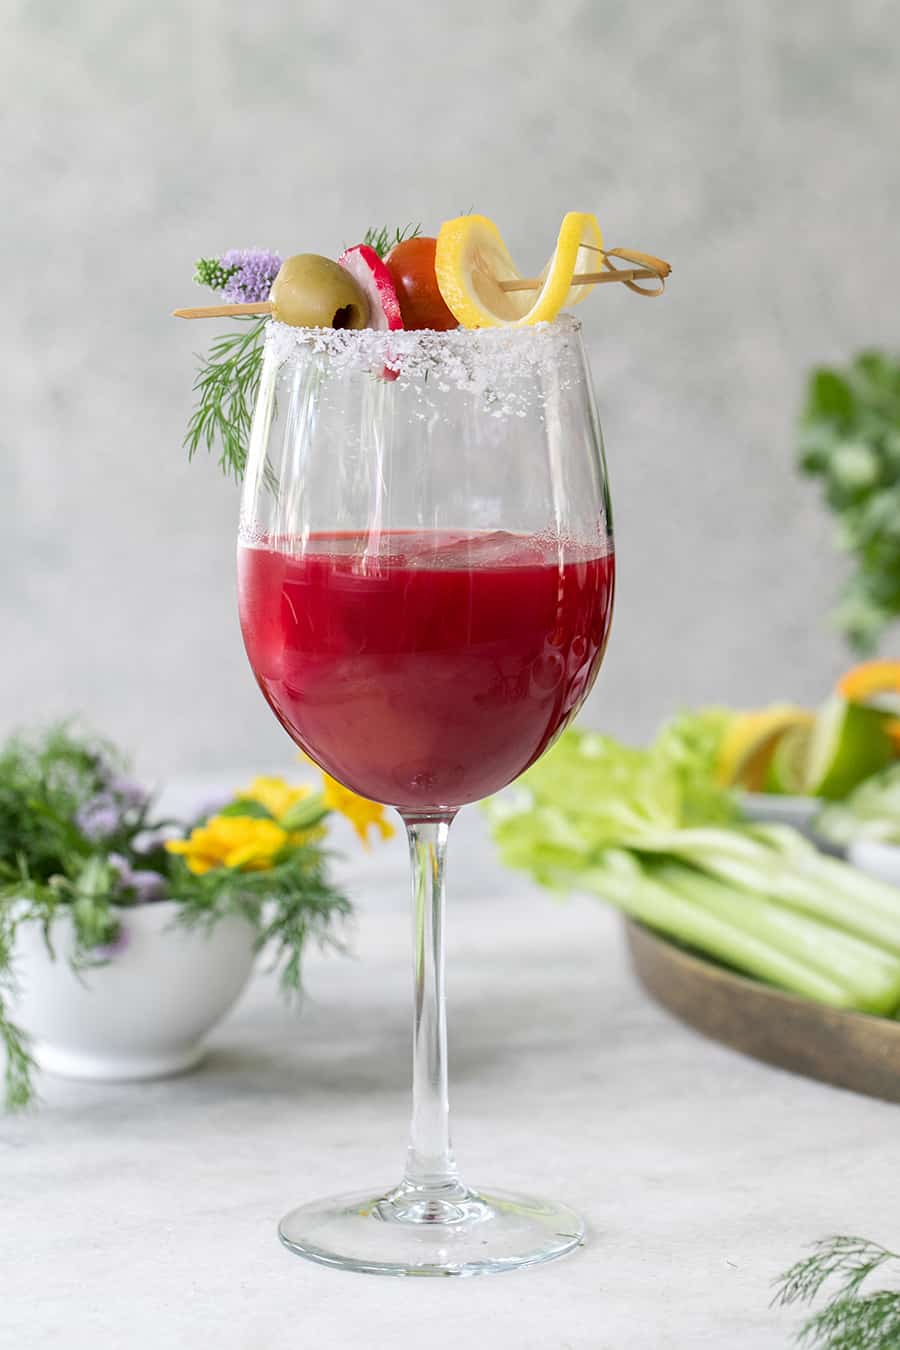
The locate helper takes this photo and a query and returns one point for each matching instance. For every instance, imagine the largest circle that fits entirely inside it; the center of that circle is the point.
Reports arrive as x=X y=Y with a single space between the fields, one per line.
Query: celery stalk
x=659 y=907
x=806 y=881
x=870 y=973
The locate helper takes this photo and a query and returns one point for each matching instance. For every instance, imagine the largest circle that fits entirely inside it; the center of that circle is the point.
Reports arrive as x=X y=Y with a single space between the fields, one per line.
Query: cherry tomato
x=411 y=265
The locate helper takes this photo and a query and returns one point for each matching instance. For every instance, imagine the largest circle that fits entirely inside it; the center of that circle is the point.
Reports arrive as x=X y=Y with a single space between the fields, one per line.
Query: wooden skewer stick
x=583 y=279
x=525 y=284
x=223 y=311
x=649 y=268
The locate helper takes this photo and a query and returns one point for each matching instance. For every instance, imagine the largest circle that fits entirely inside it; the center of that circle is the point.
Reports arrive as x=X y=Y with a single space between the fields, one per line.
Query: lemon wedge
x=472 y=260
x=750 y=742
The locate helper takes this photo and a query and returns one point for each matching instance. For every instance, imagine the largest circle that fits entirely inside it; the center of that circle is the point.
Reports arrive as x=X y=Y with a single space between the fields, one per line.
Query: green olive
x=314 y=292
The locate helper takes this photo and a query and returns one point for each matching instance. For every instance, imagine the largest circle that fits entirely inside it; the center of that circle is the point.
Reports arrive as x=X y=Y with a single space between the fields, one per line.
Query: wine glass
x=425 y=576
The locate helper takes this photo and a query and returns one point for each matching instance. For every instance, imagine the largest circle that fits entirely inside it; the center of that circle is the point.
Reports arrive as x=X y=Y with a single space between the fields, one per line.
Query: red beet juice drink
x=430 y=669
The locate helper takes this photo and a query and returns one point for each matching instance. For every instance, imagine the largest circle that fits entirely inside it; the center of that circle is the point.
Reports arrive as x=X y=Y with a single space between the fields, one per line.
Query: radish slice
x=366 y=268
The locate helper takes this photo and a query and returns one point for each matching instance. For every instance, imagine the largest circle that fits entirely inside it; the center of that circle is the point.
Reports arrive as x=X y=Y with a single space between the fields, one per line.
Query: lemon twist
x=472 y=260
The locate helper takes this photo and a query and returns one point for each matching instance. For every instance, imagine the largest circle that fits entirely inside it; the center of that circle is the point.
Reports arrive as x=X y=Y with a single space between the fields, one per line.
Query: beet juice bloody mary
x=431 y=668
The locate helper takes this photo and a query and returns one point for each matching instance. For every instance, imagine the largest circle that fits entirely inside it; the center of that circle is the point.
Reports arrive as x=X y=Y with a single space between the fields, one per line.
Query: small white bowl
x=879 y=860
x=143 y=1014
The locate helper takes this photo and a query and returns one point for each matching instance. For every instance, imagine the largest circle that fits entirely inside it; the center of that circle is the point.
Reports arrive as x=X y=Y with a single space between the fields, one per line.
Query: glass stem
x=429 y=1164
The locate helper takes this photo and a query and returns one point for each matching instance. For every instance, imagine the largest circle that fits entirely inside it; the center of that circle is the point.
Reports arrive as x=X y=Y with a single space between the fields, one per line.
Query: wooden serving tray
x=848 y=1049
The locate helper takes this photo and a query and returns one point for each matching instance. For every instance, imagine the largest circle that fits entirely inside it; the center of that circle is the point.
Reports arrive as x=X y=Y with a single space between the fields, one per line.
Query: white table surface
x=144 y=1215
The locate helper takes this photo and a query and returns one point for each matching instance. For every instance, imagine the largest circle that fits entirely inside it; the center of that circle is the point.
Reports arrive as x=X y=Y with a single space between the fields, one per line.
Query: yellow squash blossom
x=241 y=842
x=274 y=794
x=359 y=810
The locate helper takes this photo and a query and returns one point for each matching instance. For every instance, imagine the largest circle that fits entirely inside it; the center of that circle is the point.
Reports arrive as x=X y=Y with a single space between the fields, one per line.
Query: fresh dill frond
x=18 y=1086
x=871 y=1322
x=849 y=1320
x=382 y=240
x=226 y=388
x=290 y=904
x=18 y=1091
x=850 y=1260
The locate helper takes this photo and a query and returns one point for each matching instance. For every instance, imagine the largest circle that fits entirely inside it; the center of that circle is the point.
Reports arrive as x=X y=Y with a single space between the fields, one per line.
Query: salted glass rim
x=461 y=355
x=323 y=338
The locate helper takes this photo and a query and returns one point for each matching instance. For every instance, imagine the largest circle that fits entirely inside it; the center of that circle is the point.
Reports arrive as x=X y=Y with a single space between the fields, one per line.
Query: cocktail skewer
x=649 y=268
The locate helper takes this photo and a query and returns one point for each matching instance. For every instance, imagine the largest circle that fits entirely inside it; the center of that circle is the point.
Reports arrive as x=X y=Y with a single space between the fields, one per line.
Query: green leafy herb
x=288 y=903
x=226 y=388
x=384 y=239
x=850 y=439
x=850 y=1320
x=43 y=784
x=19 y=1064
x=94 y=922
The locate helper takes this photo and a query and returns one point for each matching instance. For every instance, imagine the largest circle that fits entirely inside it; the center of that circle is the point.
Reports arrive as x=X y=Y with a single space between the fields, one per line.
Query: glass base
x=444 y=1231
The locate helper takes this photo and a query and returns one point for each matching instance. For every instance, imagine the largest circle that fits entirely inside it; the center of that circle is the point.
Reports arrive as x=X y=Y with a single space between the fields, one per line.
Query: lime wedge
x=788 y=768
x=849 y=742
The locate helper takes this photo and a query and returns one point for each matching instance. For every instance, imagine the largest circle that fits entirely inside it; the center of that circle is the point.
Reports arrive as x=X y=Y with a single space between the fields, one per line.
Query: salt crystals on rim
x=502 y=365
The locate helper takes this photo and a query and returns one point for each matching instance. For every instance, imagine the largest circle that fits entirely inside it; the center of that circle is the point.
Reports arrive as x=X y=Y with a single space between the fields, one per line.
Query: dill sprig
x=850 y=1320
x=382 y=240
x=18 y=1088
x=290 y=903
x=19 y=1064
x=226 y=388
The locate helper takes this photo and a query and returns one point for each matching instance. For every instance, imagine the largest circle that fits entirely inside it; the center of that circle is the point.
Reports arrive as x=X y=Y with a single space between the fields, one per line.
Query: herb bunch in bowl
x=80 y=838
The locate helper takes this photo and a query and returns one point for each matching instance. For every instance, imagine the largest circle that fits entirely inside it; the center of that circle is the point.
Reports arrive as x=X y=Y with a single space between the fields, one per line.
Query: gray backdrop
x=753 y=144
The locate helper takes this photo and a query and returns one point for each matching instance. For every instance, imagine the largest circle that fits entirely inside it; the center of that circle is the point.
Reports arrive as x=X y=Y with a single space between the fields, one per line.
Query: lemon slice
x=472 y=259
x=750 y=742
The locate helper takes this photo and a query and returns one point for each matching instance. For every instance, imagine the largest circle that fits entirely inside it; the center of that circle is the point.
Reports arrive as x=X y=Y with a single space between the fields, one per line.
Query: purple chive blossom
x=99 y=818
x=129 y=794
x=256 y=270
x=147 y=886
